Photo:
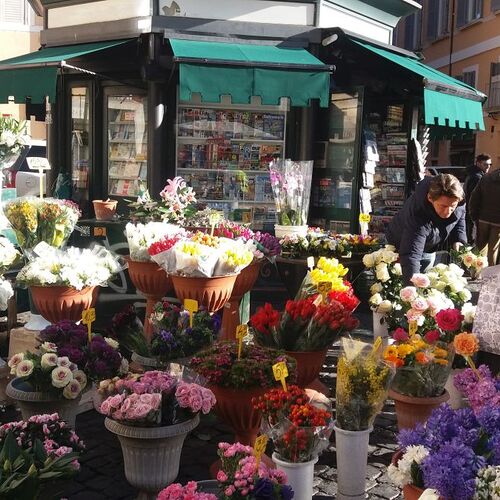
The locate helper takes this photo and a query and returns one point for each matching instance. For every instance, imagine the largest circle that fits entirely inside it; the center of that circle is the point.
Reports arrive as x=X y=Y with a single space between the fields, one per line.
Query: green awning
x=35 y=74
x=447 y=101
x=213 y=69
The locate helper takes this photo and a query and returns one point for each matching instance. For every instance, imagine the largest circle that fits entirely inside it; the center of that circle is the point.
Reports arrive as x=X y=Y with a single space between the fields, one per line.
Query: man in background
x=474 y=174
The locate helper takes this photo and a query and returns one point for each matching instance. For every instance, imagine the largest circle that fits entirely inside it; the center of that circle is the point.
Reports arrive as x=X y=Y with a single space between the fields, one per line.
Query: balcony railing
x=493 y=102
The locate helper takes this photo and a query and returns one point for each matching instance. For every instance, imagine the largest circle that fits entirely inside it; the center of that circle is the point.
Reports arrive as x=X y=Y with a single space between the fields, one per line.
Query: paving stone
x=384 y=490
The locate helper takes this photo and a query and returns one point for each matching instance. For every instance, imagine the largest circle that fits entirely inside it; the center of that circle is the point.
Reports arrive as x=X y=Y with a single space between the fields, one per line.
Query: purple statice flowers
x=460 y=443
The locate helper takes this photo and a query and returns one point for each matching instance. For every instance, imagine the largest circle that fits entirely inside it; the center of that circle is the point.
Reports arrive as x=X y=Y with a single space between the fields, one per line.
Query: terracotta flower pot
x=104 y=209
x=56 y=303
x=153 y=282
x=213 y=293
x=411 y=410
x=235 y=408
x=309 y=364
x=36 y=403
x=243 y=284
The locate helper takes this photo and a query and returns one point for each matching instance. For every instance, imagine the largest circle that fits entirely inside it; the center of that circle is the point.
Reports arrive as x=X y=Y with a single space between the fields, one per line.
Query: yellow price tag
x=412 y=330
x=241 y=332
x=377 y=344
x=364 y=218
x=259 y=448
x=310 y=262
x=191 y=306
x=280 y=372
x=324 y=287
x=88 y=317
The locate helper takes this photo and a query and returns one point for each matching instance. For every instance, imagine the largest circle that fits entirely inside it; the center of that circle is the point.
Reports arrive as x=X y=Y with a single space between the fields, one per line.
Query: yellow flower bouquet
x=326 y=270
x=363 y=379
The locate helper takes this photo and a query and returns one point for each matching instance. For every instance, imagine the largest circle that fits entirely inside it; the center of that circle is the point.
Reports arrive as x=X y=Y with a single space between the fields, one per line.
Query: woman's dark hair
x=445 y=185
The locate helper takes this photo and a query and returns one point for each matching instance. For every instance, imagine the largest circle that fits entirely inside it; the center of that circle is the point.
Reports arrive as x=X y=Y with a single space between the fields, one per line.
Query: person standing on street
x=484 y=209
x=474 y=175
x=432 y=216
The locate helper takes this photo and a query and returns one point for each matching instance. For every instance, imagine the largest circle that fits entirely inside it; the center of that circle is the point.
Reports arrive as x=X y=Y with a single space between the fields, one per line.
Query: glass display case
x=223 y=152
x=127 y=144
x=80 y=151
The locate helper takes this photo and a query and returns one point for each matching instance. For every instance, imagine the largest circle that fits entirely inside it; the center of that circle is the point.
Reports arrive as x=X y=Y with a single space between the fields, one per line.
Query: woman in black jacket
x=432 y=215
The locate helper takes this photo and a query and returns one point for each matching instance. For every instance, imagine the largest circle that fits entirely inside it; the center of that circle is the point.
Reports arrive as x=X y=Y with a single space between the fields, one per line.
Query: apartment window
x=412 y=31
x=495 y=5
x=14 y=11
x=437 y=18
x=468 y=11
x=469 y=77
x=493 y=101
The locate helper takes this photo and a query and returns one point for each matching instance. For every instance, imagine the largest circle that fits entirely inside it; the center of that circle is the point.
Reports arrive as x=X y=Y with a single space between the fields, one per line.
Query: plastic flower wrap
x=157 y=398
x=35 y=220
x=298 y=421
x=305 y=324
x=140 y=237
x=363 y=379
x=72 y=266
x=173 y=336
x=219 y=365
x=388 y=279
x=291 y=185
x=422 y=368
x=238 y=478
x=451 y=453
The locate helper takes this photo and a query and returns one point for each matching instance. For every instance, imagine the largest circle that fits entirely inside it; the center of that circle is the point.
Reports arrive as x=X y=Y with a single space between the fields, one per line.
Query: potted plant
x=291 y=185
x=63 y=282
x=306 y=328
x=236 y=381
x=152 y=414
x=54 y=378
x=239 y=477
x=363 y=379
x=455 y=454
x=36 y=453
x=300 y=427
x=174 y=339
x=105 y=209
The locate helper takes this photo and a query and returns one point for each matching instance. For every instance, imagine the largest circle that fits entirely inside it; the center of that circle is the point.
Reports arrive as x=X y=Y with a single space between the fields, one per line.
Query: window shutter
x=13 y=11
x=409 y=32
x=462 y=12
x=445 y=16
x=432 y=19
x=469 y=77
x=495 y=5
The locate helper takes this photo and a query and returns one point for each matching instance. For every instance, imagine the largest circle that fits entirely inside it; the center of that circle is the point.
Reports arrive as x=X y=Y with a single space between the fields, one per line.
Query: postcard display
x=127 y=145
x=384 y=176
x=223 y=152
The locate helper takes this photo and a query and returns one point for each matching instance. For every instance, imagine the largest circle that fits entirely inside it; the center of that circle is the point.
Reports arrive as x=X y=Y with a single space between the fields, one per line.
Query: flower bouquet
x=238 y=478
x=8 y=257
x=35 y=220
x=291 y=185
x=13 y=138
x=470 y=260
x=74 y=267
x=34 y=454
x=363 y=379
x=457 y=454
x=173 y=336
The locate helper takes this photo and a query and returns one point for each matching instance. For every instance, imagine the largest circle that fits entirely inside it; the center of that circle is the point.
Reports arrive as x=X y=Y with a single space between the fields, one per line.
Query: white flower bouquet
x=141 y=236
x=74 y=267
x=8 y=256
x=470 y=260
x=12 y=138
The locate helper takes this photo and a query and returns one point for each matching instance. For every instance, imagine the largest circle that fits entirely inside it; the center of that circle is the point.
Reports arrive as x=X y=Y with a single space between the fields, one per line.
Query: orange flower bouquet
x=422 y=368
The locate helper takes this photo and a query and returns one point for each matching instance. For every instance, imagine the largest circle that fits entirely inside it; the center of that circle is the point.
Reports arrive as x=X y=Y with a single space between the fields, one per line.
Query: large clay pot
x=309 y=364
x=235 y=408
x=153 y=282
x=56 y=303
x=151 y=455
x=104 y=209
x=37 y=403
x=412 y=410
x=212 y=293
x=243 y=284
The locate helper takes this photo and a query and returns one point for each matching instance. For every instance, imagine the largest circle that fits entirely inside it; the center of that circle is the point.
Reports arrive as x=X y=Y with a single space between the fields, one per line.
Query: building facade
x=462 y=39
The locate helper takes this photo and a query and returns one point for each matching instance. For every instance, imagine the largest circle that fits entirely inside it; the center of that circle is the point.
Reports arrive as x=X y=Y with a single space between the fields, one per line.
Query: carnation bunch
x=363 y=379
x=220 y=366
x=422 y=368
x=299 y=425
x=450 y=453
x=156 y=398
